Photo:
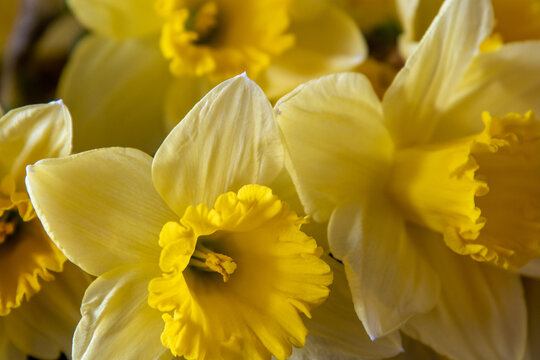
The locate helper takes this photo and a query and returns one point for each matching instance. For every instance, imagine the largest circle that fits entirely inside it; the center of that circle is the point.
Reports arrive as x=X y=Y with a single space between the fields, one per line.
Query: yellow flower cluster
x=319 y=195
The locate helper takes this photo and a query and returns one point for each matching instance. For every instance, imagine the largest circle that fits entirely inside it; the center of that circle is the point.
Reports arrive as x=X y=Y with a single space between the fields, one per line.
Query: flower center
x=206 y=260
x=223 y=38
x=481 y=192
x=254 y=312
x=9 y=222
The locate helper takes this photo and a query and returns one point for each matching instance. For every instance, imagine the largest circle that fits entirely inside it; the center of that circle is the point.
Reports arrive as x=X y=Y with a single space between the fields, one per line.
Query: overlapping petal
x=43 y=327
x=117 y=322
x=501 y=82
x=114 y=213
x=115 y=91
x=335 y=138
x=481 y=313
x=422 y=88
x=390 y=280
x=326 y=41
x=31 y=133
x=335 y=332
x=232 y=132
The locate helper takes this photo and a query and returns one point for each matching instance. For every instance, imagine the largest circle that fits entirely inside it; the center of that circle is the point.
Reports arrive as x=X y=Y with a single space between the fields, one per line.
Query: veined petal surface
x=335 y=332
x=227 y=140
x=501 y=82
x=114 y=213
x=421 y=88
x=117 y=18
x=31 y=133
x=335 y=140
x=117 y=322
x=326 y=41
x=390 y=280
x=115 y=91
x=481 y=313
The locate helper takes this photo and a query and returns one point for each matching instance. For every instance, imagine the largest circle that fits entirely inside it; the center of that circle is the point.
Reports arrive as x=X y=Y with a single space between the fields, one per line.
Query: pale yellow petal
x=326 y=41
x=335 y=332
x=389 y=279
x=501 y=82
x=31 y=133
x=117 y=18
x=183 y=93
x=227 y=140
x=424 y=85
x=100 y=207
x=44 y=326
x=532 y=269
x=7 y=349
x=115 y=91
x=481 y=313
x=335 y=139
x=117 y=322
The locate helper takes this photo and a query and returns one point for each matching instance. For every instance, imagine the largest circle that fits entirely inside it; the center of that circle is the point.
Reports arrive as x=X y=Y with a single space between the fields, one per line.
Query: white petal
x=389 y=278
x=424 y=85
x=229 y=139
x=117 y=321
x=481 y=313
x=100 y=207
x=335 y=139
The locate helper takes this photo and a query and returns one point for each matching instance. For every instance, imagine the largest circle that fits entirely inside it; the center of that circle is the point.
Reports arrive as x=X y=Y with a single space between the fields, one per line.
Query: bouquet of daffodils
x=270 y=179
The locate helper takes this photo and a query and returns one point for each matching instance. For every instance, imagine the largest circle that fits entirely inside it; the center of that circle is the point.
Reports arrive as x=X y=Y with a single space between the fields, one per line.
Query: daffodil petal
x=389 y=279
x=335 y=332
x=7 y=349
x=115 y=91
x=31 y=133
x=117 y=322
x=44 y=326
x=114 y=213
x=227 y=140
x=183 y=93
x=327 y=41
x=501 y=82
x=532 y=269
x=481 y=312
x=117 y=18
x=422 y=87
x=335 y=139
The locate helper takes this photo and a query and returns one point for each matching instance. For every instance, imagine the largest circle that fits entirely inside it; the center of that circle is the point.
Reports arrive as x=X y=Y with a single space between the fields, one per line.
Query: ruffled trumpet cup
x=194 y=255
x=39 y=292
x=446 y=165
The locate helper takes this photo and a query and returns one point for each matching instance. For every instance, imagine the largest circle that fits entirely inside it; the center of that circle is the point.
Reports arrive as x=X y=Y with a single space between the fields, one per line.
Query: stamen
x=207 y=260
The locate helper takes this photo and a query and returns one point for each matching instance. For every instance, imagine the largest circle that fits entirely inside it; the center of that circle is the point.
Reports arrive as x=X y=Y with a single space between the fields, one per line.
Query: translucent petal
x=114 y=213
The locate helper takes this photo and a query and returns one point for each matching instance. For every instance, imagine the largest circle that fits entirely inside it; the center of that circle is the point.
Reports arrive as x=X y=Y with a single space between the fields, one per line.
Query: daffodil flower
x=427 y=189
x=195 y=255
x=37 y=315
x=148 y=62
x=515 y=20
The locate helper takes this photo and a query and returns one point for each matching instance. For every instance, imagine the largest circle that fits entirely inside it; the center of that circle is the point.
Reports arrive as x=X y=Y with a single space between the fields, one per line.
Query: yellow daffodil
x=445 y=166
x=37 y=315
x=149 y=62
x=195 y=255
x=515 y=20
x=369 y=13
